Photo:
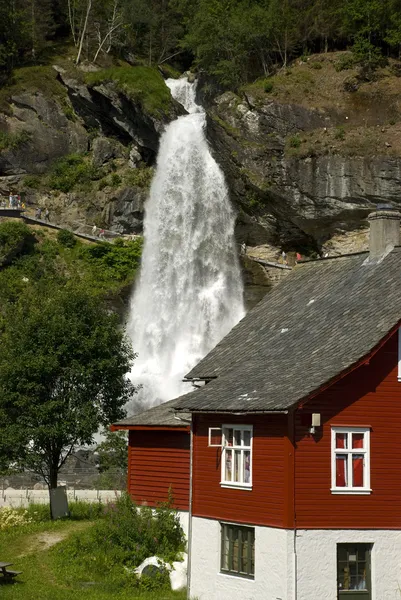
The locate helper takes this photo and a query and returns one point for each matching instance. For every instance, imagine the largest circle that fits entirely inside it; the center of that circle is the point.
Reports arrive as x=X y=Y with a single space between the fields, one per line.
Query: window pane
x=342 y=440
x=224 y=548
x=357 y=440
x=237 y=460
x=237 y=437
x=235 y=564
x=341 y=470
x=228 y=465
x=357 y=470
x=247 y=438
x=247 y=466
x=229 y=437
x=244 y=553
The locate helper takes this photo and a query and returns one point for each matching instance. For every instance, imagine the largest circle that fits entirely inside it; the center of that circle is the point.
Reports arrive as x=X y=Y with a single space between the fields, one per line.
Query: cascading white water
x=189 y=293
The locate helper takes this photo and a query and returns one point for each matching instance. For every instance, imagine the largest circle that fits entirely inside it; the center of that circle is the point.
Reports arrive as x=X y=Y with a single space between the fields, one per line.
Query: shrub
x=70 y=171
x=126 y=535
x=345 y=62
x=15 y=239
x=339 y=133
x=11 y=141
x=115 y=180
x=268 y=86
x=113 y=261
x=32 y=181
x=66 y=238
x=316 y=65
x=295 y=141
x=140 y=177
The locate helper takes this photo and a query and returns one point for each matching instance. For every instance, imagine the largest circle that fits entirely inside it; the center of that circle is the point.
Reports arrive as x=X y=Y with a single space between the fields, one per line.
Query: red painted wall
x=156 y=461
x=369 y=396
x=264 y=504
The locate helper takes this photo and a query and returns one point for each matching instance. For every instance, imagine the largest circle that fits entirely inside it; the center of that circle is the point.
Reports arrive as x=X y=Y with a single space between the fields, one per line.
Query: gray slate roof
x=322 y=319
x=162 y=416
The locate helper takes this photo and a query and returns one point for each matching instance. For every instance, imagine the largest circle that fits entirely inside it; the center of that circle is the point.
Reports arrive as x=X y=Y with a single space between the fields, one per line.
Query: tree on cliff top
x=63 y=366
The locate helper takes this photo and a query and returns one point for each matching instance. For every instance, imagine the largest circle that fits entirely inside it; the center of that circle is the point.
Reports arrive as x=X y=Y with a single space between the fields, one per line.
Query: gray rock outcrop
x=294 y=201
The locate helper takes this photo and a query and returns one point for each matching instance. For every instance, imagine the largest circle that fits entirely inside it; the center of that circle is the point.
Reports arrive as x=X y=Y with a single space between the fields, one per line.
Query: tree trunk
x=88 y=9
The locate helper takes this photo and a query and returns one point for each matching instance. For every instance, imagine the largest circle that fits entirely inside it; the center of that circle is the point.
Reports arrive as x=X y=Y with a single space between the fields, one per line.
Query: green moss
x=229 y=129
x=169 y=71
x=144 y=85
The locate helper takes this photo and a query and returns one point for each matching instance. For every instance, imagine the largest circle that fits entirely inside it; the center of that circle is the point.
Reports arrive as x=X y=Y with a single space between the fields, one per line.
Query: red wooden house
x=294 y=460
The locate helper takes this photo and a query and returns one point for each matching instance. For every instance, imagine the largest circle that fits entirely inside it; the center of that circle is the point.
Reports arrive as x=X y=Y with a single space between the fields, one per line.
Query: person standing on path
x=47 y=215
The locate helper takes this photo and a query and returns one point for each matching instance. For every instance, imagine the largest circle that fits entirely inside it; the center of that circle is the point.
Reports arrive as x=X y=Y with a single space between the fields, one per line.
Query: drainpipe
x=191 y=446
x=295 y=510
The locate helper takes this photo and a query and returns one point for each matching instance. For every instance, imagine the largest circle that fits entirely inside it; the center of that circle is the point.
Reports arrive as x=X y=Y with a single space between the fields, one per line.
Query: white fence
x=12 y=497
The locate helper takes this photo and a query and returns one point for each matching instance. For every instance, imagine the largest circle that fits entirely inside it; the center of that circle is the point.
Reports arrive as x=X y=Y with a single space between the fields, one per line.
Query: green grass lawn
x=35 y=550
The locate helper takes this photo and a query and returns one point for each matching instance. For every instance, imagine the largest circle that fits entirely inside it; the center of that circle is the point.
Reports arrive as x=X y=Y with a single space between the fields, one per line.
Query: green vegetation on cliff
x=32 y=256
x=144 y=85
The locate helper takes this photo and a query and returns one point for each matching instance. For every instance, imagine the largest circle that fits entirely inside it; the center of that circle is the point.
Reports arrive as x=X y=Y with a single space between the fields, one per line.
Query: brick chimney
x=384 y=230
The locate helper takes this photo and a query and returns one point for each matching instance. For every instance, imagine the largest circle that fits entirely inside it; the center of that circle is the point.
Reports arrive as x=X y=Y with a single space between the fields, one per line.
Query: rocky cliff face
x=307 y=153
x=117 y=136
x=306 y=166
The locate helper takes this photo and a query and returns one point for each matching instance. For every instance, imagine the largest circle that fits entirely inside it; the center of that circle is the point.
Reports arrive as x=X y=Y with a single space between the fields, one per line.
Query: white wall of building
x=317 y=562
x=272 y=567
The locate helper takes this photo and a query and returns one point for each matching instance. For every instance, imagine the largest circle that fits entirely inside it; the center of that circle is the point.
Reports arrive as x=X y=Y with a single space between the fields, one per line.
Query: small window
x=350 y=470
x=236 y=463
x=238 y=550
x=354 y=571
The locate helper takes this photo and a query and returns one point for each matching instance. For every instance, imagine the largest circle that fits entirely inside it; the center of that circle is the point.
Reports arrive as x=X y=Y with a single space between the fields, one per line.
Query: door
x=354 y=572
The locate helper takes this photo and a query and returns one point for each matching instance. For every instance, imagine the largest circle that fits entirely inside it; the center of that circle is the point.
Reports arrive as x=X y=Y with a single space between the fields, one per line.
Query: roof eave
x=126 y=427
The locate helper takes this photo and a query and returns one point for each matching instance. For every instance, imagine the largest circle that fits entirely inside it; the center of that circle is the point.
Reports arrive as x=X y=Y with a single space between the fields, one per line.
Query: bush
x=140 y=177
x=295 y=141
x=113 y=261
x=11 y=141
x=115 y=180
x=15 y=239
x=72 y=170
x=339 y=133
x=66 y=238
x=268 y=86
x=346 y=62
x=32 y=181
x=126 y=535
x=316 y=65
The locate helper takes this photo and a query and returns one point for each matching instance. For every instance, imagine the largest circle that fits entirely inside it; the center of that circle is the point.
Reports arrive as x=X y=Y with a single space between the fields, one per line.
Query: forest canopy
x=235 y=41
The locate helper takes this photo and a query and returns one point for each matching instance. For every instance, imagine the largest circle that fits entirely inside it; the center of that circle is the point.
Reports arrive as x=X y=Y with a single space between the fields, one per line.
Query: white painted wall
x=272 y=567
x=184 y=520
x=317 y=562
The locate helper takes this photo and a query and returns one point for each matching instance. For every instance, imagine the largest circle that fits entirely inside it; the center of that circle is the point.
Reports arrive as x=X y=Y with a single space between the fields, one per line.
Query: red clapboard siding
x=158 y=460
x=264 y=504
x=369 y=396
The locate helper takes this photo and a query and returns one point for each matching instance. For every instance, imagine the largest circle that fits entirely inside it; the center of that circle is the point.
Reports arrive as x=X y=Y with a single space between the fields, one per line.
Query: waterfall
x=189 y=292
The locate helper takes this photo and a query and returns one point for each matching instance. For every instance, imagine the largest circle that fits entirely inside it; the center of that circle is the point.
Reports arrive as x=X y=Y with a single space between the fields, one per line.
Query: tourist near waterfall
x=189 y=294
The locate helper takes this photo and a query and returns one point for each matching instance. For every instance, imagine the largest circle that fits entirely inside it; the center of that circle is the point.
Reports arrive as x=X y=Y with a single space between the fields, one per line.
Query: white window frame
x=349 y=451
x=236 y=484
x=399 y=354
